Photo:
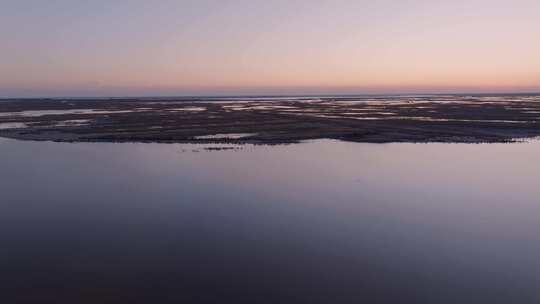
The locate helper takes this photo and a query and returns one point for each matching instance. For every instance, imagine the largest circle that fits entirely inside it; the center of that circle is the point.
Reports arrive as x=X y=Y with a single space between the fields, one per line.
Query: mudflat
x=452 y=118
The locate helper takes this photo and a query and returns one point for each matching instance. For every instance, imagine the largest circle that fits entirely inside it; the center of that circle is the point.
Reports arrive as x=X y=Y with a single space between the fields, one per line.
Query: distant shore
x=374 y=119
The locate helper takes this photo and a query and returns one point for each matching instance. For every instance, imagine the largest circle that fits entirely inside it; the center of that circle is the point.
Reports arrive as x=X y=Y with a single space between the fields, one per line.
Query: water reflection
x=321 y=222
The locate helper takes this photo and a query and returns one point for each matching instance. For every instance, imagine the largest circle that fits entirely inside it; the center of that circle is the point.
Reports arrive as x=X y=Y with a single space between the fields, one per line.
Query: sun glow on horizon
x=211 y=47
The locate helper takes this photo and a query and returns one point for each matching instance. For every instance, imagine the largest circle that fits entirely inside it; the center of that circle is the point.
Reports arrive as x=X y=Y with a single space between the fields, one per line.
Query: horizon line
x=194 y=96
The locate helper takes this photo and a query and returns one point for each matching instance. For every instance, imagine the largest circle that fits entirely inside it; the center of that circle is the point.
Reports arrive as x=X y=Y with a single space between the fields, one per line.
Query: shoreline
x=483 y=119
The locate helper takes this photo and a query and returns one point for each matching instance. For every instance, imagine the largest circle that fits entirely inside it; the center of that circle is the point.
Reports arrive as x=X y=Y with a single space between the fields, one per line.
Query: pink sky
x=103 y=48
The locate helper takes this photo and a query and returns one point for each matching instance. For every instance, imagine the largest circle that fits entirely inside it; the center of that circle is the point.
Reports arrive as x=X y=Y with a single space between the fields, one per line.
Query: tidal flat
x=94 y=208
x=370 y=119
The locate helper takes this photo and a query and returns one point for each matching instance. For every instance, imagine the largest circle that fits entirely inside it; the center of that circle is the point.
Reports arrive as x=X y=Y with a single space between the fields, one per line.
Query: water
x=319 y=222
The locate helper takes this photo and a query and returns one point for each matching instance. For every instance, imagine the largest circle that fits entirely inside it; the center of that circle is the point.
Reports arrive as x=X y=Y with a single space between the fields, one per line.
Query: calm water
x=320 y=222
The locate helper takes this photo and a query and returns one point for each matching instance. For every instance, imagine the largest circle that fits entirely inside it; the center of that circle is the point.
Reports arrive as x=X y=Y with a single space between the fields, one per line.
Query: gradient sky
x=203 y=47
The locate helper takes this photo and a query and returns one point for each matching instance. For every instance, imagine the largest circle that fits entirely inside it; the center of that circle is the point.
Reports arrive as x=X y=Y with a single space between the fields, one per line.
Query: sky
x=279 y=47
